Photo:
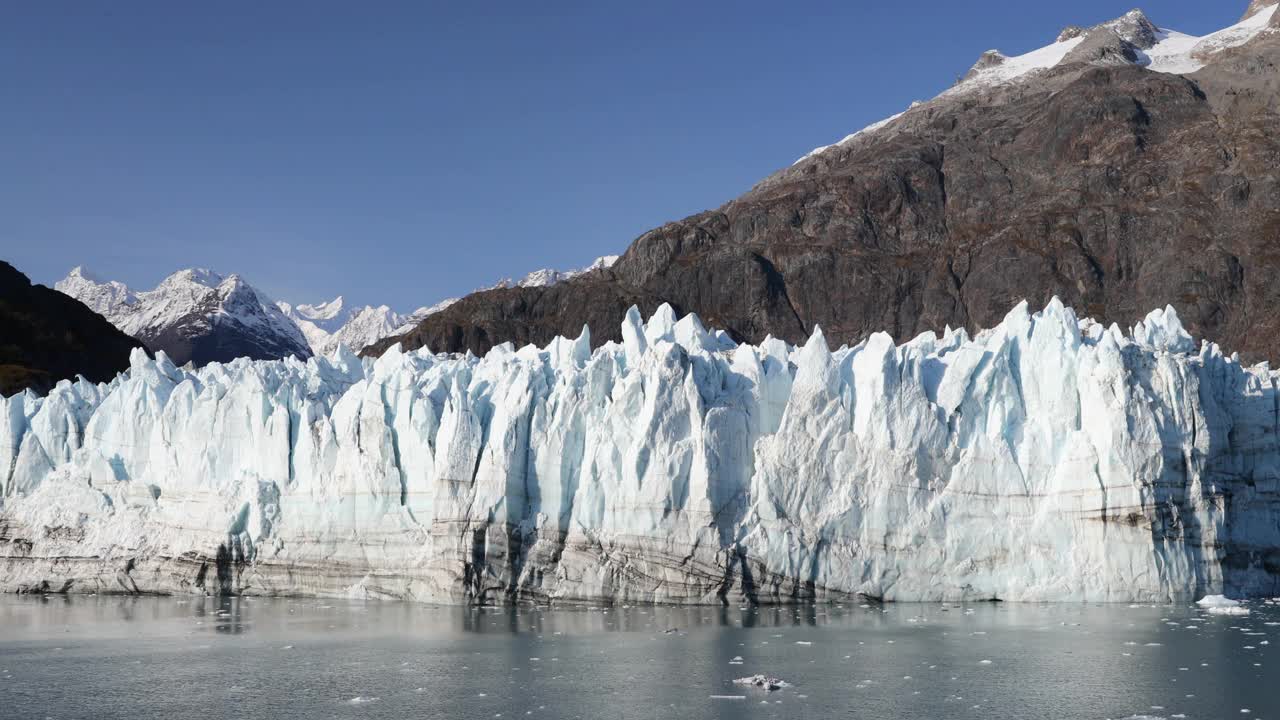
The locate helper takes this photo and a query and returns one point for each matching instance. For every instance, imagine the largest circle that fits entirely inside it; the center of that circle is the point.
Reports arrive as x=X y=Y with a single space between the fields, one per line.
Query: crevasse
x=1048 y=458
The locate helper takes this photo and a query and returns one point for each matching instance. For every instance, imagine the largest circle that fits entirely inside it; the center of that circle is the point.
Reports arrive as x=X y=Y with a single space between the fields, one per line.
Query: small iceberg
x=1228 y=611
x=764 y=682
x=1222 y=605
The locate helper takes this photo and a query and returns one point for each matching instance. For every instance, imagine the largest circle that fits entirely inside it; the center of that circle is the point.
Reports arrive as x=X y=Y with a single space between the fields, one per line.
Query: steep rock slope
x=1049 y=458
x=1090 y=169
x=46 y=336
x=194 y=315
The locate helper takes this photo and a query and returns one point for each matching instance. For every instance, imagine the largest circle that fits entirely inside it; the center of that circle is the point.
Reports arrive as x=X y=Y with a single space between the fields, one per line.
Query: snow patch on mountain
x=1048 y=458
x=1181 y=54
x=849 y=138
x=996 y=72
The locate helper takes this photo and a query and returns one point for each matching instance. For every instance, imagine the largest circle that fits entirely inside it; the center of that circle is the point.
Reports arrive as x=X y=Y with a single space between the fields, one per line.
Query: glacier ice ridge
x=1047 y=458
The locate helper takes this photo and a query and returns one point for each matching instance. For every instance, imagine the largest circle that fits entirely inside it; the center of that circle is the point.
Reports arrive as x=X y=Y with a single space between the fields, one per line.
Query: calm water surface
x=116 y=657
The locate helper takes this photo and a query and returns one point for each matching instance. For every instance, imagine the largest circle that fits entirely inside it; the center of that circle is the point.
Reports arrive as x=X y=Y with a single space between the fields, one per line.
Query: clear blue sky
x=405 y=152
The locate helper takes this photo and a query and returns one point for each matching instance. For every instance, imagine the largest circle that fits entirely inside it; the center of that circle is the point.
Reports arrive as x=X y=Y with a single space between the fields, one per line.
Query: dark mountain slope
x=46 y=336
x=1115 y=187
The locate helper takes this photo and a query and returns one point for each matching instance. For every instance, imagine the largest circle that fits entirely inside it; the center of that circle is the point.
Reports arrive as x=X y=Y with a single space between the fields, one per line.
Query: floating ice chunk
x=1228 y=611
x=362 y=700
x=1220 y=605
x=764 y=682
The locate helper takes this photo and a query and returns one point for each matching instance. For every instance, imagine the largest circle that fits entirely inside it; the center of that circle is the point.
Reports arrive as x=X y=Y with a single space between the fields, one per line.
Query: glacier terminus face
x=1048 y=458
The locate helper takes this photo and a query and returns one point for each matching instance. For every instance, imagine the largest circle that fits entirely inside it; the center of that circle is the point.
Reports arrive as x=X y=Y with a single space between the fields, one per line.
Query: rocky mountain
x=1123 y=166
x=194 y=315
x=46 y=336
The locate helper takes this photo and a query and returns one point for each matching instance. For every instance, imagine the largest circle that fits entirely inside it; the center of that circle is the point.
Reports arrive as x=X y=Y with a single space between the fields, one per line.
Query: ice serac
x=1048 y=458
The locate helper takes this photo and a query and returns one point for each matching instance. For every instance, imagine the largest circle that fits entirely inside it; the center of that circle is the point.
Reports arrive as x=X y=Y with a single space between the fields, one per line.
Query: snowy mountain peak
x=548 y=276
x=1132 y=38
x=987 y=60
x=82 y=273
x=100 y=296
x=1134 y=27
x=1070 y=32
x=602 y=262
x=329 y=325
x=194 y=276
x=1256 y=7
x=332 y=325
x=194 y=315
x=323 y=311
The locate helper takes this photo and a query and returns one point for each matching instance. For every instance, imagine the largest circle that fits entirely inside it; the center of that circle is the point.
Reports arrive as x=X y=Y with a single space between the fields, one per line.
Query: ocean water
x=162 y=657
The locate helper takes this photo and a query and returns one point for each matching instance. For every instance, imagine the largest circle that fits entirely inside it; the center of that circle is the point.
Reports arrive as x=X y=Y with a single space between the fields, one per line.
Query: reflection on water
x=128 y=657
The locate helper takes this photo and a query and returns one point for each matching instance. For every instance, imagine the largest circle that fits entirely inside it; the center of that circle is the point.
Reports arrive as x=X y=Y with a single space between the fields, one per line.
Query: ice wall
x=1048 y=458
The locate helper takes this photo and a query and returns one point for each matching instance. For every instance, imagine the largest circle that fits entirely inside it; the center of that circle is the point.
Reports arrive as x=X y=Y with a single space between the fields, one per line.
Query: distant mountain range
x=200 y=316
x=331 y=324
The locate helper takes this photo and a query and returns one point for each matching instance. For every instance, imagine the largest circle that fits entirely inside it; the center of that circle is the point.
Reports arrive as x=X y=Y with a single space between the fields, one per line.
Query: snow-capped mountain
x=330 y=324
x=548 y=276
x=1048 y=458
x=194 y=315
x=201 y=316
x=1132 y=39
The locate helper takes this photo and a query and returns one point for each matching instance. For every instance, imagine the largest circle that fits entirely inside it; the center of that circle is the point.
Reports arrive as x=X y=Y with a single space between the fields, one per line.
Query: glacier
x=1047 y=459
